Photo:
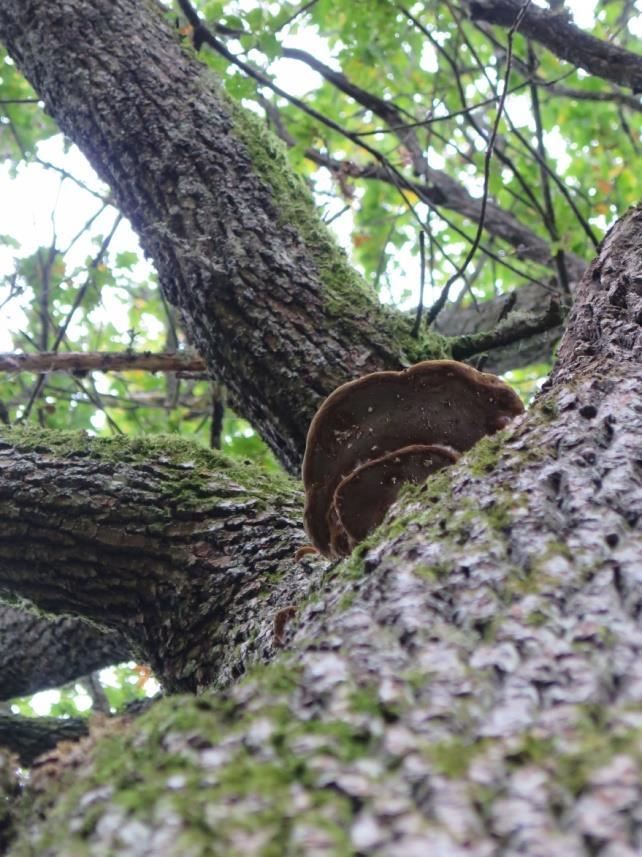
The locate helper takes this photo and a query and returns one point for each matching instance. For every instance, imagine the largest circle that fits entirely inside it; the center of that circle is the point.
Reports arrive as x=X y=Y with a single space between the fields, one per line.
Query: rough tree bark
x=37 y=652
x=468 y=682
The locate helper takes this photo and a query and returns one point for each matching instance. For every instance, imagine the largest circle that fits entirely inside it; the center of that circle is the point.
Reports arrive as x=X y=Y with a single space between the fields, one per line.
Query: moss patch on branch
x=348 y=297
x=201 y=472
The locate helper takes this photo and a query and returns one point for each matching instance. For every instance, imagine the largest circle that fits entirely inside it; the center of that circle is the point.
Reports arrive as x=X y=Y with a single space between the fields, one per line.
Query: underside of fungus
x=372 y=435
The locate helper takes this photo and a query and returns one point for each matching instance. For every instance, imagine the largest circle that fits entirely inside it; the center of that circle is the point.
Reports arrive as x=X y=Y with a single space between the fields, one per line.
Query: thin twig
x=422 y=283
x=94 y=398
x=550 y=221
x=301 y=11
x=62 y=330
x=337 y=215
x=439 y=304
x=536 y=153
x=534 y=202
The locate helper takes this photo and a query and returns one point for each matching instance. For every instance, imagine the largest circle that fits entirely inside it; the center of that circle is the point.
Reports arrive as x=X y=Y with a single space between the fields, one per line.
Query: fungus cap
x=362 y=498
x=437 y=402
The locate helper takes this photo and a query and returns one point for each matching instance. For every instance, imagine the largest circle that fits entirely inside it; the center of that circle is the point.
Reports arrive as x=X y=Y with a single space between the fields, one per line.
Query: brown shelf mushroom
x=364 y=496
x=435 y=403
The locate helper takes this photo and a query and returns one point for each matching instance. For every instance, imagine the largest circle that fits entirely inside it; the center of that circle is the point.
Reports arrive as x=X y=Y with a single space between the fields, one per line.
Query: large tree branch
x=470 y=681
x=517 y=328
x=614 y=96
x=186 y=555
x=557 y=33
x=37 y=653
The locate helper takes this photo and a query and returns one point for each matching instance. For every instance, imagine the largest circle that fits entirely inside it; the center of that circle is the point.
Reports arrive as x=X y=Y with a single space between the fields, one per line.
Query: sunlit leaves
x=120 y=685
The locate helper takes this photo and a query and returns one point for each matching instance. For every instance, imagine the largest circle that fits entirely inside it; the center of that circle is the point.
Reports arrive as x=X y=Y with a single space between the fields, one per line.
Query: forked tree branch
x=567 y=41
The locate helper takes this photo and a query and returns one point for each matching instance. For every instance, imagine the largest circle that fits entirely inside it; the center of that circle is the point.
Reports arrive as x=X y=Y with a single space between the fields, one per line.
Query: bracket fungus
x=374 y=434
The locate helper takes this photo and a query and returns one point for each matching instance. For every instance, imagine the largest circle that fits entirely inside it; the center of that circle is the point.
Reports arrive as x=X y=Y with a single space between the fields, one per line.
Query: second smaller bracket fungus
x=435 y=403
x=364 y=496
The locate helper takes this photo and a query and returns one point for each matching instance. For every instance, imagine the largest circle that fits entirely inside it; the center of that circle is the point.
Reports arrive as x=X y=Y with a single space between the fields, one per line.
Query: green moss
x=546 y=408
x=536 y=619
x=594 y=746
x=346 y=600
x=554 y=548
x=347 y=295
x=365 y=700
x=431 y=573
x=499 y=514
x=452 y=758
x=608 y=637
x=485 y=455
x=196 y=473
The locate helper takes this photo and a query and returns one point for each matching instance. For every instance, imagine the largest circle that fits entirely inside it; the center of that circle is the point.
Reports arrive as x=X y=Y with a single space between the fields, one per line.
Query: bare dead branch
x=100 y=361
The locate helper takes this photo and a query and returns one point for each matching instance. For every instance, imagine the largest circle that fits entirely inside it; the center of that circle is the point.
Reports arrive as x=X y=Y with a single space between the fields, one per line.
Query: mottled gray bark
x=9 y=791
x=38 y=652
